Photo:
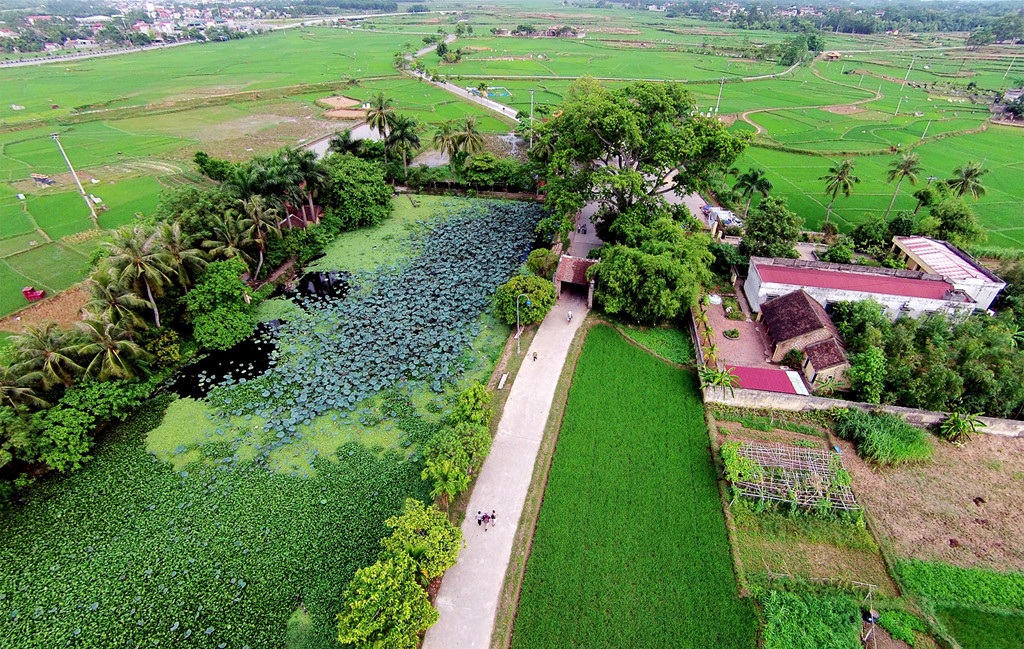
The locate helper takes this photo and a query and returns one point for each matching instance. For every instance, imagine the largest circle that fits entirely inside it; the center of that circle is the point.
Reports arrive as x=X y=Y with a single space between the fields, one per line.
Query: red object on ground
x=763 y=378
x=31 y=294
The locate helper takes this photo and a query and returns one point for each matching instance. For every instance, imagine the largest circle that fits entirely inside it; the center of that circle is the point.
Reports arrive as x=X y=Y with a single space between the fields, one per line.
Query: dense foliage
x=884 y=439
x=614 y=563
x=423 y=313
x=933 y=363
x=625 y=148
x=810 y=621
x=221 y=309
x=771 y=230
x=901 y=625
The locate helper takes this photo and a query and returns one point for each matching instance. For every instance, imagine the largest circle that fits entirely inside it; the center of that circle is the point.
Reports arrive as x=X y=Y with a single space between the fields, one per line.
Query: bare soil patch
x=338 y=101
x=345 y=113
x=727 y=120
x=963 y=508
x=843 y=110
x=65 y=309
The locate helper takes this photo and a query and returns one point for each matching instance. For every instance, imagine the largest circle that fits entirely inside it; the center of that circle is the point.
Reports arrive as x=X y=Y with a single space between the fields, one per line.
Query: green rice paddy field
x=630 y=547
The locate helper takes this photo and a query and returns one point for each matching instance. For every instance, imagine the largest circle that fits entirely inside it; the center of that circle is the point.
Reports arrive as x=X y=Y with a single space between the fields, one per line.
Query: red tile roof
x=573 y=269
x=826 y=354
x=766 y=379
x=854 y=281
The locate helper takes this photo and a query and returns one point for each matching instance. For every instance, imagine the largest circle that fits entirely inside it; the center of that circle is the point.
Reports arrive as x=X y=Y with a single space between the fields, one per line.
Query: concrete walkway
x=468 y=599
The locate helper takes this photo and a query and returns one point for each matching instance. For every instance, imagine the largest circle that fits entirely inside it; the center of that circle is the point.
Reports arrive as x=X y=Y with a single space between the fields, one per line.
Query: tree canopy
x=628 y=147
x=771 y=230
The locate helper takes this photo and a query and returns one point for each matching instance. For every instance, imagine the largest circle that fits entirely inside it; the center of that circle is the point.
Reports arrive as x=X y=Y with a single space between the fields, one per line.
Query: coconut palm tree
x=447 y=478
x=839 y=179
x=15 y=391
x=185 y=262
x=967 y=180
x=469 y=139
x=343 y=143
x=404 y=137
x=138 y=260
x=311 y=177
x=751 y=181
x=907 y=167
x=229 y=237
x=380 y=115
x=262 y=222
x=112 y=300
x=446 y=139
x=108 y=349
x=45 y=356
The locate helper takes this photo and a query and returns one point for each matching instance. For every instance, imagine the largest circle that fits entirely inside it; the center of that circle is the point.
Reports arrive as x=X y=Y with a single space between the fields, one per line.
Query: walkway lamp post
x=519 y=330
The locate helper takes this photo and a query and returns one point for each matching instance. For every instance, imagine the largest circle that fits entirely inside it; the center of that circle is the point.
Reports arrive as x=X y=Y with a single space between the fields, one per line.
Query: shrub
x=731 y=334
x=221 y=316
x=164 y=346
x=473 y=406
x=794 y=358
x=840 y=252
x=884 y=439
x=901 y=625
x=426 y=535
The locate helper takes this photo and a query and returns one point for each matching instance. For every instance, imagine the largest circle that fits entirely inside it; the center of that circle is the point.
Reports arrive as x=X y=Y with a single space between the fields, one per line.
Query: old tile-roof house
x=797 y=321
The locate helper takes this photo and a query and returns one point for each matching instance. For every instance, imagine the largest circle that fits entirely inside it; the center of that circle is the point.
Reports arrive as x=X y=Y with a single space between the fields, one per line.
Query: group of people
x=581 y=229
x=485 y=519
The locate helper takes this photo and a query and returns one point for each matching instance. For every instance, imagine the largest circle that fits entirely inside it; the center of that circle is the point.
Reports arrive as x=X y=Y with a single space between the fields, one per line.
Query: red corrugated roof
x=763 y=378
x=853 y=281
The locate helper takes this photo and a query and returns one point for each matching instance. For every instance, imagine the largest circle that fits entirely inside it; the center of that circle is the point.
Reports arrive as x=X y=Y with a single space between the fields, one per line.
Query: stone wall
x=798 y=403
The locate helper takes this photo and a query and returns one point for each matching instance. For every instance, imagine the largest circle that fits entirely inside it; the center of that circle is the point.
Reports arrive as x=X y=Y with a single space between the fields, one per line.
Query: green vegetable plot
x=630 y=548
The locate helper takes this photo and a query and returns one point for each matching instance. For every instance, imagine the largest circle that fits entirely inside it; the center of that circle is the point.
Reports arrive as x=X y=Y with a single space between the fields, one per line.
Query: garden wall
x=798 y=403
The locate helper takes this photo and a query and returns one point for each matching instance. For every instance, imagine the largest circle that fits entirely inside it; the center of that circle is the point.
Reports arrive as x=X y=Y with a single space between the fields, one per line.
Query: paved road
x=469 y=594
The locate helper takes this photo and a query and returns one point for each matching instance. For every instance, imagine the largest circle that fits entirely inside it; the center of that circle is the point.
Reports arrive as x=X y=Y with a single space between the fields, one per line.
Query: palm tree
x=967 y=180
x=109 y=349
x=751 y=181
x=469 y=139
x=404 y=137
x=112 y=300
x=45 y=356
x=229 y=237
x=839 y=178
x=137 y=260
x=14 y=391
x=262 y=222
x=343 y=143
x=446 y=139
x=311 y=177
x=185 y=262
x=380 y=115
x=908 y=166
x=448 y=479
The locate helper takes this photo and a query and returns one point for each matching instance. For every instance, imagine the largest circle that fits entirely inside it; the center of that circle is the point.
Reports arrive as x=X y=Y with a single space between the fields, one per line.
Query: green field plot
x=61 y=214
x=975 y=629
x=11 y=283
x=14 y=220
x=126 y=198
x=283 y=58
x=630 y=547
x=429 y=104
x=51 y=266
x=796 y=176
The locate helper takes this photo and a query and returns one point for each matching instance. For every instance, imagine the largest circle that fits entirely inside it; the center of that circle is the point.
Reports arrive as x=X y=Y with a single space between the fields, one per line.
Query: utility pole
x=927 y=126
x=909 y=68
x=531 y=116
x=85 y=197
x=900 y=103
x=1012 y=61
x=720 y=88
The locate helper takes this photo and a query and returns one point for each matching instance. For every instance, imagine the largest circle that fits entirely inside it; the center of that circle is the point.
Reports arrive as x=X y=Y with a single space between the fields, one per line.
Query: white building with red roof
x=953 y=265
x=901 y=292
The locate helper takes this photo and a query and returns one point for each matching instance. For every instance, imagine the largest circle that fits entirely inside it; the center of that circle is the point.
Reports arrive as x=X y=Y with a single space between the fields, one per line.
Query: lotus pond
x=207 y=523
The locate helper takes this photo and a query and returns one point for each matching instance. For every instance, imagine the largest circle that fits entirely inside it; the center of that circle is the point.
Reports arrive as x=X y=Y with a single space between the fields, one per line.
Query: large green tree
x=626 y=147
x=404 y=138
x=967 y=180
x=138 y=259
x=426 y=535
x=356 y=193
x=750 y=182
x=538 y=296
x=220 y=307
x=46 y=355
x=771 y=230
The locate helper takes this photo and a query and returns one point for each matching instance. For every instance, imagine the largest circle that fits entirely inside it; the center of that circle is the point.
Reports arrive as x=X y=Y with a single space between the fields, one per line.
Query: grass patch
x=945 y=584
x=631 y=547
x=884 y=439
x=810 y=621
x=977 y=629
x=672 y=344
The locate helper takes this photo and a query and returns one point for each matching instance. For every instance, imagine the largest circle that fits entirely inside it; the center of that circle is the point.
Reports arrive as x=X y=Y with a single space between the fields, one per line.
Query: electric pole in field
x=531 y=117
x=74 y=174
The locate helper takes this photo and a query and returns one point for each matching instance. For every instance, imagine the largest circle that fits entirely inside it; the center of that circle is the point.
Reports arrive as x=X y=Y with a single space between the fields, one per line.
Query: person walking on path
x=534 y=355
x=487 y=519
x=479 y=518
x=493 y=516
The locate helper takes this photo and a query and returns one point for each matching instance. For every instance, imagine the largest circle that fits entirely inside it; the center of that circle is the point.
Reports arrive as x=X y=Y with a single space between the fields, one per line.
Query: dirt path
x=745 y=116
